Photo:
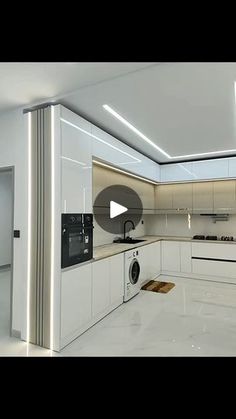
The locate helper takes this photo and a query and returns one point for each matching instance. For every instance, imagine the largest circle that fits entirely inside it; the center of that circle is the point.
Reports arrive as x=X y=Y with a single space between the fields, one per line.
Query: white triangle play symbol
x=116 y=209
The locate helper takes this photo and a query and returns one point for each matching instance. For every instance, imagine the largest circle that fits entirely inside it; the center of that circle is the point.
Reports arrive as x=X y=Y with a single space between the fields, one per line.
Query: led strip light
x=29 y=229
x=52 y=225
x=145 y=138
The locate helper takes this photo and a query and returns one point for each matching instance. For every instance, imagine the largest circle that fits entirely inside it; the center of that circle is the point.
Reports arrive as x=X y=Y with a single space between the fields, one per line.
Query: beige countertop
x=111 y=249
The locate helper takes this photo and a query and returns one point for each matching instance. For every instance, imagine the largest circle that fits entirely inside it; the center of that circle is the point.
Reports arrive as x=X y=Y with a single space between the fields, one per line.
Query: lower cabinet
x=76 y=302
x=88 y=293
x=149 y=260
x=185 y=257
x=107 y=283
x=170 y=256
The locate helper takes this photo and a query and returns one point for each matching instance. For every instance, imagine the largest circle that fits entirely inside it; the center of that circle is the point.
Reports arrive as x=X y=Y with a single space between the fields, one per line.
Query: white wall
x=13 y=152
x=177 y=225
x=6 y=202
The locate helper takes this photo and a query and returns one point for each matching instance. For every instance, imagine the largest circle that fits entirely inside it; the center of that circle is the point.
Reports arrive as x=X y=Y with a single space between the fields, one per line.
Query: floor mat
x=158 y=286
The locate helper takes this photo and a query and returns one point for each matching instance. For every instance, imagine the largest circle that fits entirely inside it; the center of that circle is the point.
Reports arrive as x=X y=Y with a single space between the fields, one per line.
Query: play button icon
x=114 y=205
x=116 y=209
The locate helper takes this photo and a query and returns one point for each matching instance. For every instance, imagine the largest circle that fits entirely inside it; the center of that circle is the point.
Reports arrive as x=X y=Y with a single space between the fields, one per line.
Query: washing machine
x=132 y=274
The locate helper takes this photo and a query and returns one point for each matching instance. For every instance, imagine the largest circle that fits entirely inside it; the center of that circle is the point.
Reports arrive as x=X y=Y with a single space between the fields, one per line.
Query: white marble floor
x=196 y=318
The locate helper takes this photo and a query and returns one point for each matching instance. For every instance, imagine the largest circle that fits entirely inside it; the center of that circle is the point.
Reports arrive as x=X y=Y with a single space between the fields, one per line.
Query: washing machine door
x=134 y=271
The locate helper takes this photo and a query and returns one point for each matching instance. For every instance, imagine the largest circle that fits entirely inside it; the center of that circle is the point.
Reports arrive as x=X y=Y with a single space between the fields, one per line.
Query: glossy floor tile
x=196 y=318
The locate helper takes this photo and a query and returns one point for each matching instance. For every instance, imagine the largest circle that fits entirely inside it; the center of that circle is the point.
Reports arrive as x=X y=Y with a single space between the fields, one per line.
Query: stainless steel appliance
x=76 y=239
x=223 y=238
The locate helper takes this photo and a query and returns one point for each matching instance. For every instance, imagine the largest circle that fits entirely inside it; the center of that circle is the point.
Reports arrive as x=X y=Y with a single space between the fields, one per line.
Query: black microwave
x=76 y=238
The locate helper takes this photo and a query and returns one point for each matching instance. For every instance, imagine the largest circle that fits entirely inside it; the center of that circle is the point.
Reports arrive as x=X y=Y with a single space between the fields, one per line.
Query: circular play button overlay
x=116 y=204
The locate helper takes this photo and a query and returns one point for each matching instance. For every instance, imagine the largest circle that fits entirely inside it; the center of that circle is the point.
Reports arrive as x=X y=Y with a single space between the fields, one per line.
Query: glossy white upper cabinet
x=202 y=170
x=210 y=169
x=232 y=166
x=114 y=152
x=76 y=163
x=176 y=172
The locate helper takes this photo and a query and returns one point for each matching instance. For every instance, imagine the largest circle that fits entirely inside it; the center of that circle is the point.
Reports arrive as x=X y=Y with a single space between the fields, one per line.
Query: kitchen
x=186 y=234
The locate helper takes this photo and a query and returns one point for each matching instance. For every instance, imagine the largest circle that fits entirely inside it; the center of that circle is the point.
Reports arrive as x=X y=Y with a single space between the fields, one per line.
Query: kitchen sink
x=128 y=241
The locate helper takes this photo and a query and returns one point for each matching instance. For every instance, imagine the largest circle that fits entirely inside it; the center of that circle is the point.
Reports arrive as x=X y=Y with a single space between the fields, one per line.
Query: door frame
x=11 y=169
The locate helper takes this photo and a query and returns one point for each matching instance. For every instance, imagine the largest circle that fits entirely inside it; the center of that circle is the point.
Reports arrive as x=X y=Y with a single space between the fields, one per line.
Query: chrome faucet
x=128 y=221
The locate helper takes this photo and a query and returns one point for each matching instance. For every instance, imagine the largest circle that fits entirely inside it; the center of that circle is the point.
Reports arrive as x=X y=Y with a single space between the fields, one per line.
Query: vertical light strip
x=189 y=221
x=29 y=226
x=52 y=224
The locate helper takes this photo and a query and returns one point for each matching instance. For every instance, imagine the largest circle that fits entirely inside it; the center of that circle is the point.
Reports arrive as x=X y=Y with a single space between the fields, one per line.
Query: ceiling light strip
x=130 y=126
x=99 y=139
x=123 y=171
x=204 y=154
x=140 y=134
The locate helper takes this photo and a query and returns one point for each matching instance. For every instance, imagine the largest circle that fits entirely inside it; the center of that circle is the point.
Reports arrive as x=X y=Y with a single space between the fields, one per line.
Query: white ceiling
x=185 y=108
x=25 y=84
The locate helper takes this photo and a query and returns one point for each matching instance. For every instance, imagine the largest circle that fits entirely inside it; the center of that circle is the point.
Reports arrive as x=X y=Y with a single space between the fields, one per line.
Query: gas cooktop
x=223 y=238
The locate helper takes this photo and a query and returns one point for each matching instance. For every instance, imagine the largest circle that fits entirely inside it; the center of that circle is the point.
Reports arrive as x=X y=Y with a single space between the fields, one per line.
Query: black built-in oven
x=76 y=239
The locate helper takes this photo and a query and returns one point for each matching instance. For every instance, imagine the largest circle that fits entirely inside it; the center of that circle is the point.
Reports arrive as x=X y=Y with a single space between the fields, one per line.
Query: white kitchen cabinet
x=76 y=164
x=214 y=250
x=202 y=197
x=183 y=197
x=164 y=198
x=154 y=260
x=176 y=172
x=107 y=148
x=210 y=169
x=224 y=196
x=170 y=256
x=76 y=302
x=232 y=166
x=100 y=286
x=185 y=257
x=149 y=260
x=116 y=273
x=211 y=268
x=107 y=284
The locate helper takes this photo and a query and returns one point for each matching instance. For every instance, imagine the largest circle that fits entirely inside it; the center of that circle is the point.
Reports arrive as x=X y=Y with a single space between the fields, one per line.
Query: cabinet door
x=170 y=256
x=163 y=197
x=76 y=299
x=154 y=262
x=176 y=172
x=232 y=166
x=100 y=286
x=203 y=197
x=116 y=272
x=210 y=169
x=224 y=196
x=185 y=257
x=183 y=196
x=76 y=161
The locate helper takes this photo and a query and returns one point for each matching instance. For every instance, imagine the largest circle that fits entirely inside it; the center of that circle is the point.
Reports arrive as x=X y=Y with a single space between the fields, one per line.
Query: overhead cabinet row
x=197 y=197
